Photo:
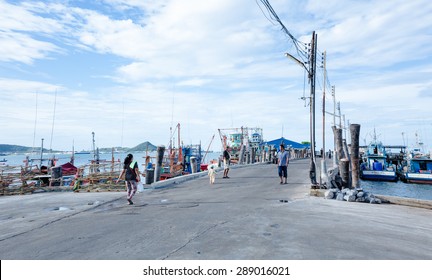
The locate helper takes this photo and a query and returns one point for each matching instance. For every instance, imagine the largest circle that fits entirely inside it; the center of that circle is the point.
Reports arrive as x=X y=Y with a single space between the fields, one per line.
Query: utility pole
x=311 y=74
x=323 y=177
x=312 y=69
x=324 y=94
x=334 y=105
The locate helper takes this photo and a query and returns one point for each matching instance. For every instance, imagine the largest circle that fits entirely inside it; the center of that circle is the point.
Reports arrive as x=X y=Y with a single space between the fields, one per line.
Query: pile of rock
x=351 y=195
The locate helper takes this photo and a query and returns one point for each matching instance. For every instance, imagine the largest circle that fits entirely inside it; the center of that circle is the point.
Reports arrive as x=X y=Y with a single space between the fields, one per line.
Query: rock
x=329 y=194
x=340 y=196
x=360 y=199
x=375 y=201
x=350 y=198
x=353 y=192
x=360 y=194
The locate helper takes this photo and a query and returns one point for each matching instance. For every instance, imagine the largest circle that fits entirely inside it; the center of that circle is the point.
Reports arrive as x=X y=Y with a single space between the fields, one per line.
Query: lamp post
x=311 y=73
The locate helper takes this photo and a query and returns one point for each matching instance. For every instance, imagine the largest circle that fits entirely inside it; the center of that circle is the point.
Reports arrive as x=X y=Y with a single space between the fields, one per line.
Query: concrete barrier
x=184 y=178
x=412 y=202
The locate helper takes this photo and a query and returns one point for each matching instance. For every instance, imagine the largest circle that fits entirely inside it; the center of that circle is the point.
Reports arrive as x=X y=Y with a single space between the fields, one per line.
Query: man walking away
x=283 y=160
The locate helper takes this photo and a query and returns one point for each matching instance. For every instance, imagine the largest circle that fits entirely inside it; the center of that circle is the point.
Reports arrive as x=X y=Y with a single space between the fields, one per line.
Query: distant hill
x=9 y=149
x=146 y=146
x=15 y=149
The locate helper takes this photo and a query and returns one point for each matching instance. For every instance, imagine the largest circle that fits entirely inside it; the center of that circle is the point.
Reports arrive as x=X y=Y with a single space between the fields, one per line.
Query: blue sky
x=129 y=70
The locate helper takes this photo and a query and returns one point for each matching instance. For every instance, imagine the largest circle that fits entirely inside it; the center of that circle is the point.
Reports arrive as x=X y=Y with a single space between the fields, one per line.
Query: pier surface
x=249 y=216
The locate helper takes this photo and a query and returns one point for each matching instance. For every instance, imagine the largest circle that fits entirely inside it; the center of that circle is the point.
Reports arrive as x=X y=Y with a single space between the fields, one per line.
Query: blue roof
x=287 y=143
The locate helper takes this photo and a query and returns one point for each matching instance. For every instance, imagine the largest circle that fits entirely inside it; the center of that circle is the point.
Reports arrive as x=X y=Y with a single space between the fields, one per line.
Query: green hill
x=10 y=149
x=15 y=149
x=146 y=146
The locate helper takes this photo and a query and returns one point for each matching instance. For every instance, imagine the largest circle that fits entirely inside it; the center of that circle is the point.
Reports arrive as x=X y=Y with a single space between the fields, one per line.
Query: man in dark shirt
x=226 y=161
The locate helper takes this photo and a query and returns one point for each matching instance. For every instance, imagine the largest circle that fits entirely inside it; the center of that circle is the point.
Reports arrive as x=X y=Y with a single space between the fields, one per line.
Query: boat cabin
x=421 y=165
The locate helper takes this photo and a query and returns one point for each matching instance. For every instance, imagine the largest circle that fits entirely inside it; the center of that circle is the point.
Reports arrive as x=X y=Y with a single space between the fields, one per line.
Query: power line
x=274 y=19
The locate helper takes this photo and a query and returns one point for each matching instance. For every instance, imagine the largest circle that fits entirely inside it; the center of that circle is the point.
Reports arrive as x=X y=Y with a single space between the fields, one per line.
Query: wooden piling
x=355 y=154
x=159 y=159
x=242 y=154
x=338 y=138
x=344 y=172
x=193 y=163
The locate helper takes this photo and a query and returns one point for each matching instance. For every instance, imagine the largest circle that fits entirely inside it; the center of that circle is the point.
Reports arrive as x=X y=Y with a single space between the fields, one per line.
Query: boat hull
x=418 y=178
x=375 y=175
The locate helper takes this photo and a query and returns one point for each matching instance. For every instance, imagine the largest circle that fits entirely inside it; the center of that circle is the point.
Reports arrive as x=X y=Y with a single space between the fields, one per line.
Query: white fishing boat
x=375 y=165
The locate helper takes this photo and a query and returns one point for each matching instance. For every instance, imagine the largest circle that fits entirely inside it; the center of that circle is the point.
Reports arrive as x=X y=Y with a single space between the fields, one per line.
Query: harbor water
x=399 y=189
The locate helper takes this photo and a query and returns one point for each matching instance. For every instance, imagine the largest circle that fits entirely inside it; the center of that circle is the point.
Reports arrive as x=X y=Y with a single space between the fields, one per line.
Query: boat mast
x=41 y=154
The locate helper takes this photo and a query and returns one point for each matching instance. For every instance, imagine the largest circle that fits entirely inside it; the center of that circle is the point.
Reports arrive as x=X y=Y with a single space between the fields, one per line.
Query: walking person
x=283 y=161
x=132 y=176
x=226 y=161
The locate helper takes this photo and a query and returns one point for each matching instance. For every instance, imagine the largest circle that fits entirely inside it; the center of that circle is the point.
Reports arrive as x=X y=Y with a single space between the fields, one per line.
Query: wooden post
x=159 y=159
x=338 y=138
x=355 y=154
x=242 y=154
x=193 y=163
x=344 y=172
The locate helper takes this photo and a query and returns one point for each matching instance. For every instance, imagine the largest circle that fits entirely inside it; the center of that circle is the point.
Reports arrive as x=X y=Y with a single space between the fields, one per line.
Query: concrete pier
x=248 y=216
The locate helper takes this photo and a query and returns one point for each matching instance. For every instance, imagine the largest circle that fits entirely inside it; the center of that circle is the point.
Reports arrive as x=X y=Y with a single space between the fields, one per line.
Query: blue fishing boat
x=376 y=165
x=418 y=170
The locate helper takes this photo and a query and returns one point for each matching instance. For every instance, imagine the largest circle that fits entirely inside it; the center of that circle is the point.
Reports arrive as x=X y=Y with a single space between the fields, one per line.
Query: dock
x=249 y=216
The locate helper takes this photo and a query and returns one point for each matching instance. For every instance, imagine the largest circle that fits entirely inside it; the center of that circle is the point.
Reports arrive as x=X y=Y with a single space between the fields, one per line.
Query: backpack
x=130 y=172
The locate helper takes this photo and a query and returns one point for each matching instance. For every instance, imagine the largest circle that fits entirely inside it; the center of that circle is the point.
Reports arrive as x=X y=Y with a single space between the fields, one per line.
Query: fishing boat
x=82 y=153
x=418 y=170
x=376 y=165
x=244 y=143
x=3 y=162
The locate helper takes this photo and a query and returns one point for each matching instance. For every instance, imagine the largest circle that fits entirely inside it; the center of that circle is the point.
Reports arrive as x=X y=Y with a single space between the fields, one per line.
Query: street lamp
x=311 y=74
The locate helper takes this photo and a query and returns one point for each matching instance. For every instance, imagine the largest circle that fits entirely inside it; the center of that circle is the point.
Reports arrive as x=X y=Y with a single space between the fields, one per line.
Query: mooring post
x=344 y=172
x=242 y=154
x=355 y=154
x=193 y=163
x=335 y=152
x=339 y=148
x=159 y=159
x=345 y=150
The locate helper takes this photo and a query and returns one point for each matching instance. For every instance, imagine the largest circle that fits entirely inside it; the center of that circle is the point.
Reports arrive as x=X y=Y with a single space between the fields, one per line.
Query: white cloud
x=221 y=62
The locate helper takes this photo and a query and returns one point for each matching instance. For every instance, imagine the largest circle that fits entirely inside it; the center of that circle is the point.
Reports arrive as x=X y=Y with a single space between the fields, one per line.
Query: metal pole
x=41 y=154
x=323 y=162
x=94 y=148
x=324 y=94
x=312 y=68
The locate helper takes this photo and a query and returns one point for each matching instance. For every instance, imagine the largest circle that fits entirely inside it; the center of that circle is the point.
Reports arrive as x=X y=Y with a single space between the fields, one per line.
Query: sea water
x=84 y=159
x=400 y=189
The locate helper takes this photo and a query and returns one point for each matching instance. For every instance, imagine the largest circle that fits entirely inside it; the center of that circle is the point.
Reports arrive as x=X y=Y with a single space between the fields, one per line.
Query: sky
x=130 y=70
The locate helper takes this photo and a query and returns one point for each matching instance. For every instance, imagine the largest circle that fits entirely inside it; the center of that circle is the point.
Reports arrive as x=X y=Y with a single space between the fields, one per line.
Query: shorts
x=283 y=171
x=226 y=164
